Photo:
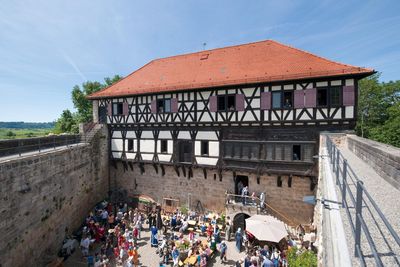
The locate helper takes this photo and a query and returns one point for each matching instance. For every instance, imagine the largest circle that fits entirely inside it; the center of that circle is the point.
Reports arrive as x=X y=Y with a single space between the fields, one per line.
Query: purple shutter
x=311 y=98
x=298 y=99
x=154 y=106
x=213 y=103
x=239 y=102
x=174 y=105
x=125 y=109
x=109 y=109
x=265 y=100
x=348 y=96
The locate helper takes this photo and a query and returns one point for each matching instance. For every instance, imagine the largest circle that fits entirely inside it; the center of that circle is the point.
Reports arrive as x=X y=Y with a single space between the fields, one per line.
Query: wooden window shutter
x=239 y=102
x=298 y=99
x=125 y=109
x=174 y=105
x=348 y=96
x=153 y=106
x=213 y=103
x=109 y=109
x=311 y=98
x=265 y=100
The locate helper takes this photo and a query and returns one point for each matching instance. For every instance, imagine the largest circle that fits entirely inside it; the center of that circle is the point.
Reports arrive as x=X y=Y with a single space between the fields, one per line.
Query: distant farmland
x=12 y=130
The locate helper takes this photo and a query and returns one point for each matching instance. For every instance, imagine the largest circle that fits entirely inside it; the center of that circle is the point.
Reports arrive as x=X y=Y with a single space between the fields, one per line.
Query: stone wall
x=384 y=159
x=44 y=196
x=211 y=191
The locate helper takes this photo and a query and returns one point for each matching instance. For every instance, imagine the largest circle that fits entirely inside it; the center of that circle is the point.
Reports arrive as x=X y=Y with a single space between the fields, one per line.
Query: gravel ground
x=387 y=198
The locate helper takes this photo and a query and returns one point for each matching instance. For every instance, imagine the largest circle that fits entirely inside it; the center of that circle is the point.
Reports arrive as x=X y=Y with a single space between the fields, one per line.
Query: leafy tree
x=83 y=105
x=10 y=134
x=67 y=123
x=301 y=258
x=379 y=110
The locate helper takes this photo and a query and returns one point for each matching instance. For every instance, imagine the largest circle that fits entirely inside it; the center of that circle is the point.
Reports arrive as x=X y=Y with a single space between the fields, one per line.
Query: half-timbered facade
x=256 y=108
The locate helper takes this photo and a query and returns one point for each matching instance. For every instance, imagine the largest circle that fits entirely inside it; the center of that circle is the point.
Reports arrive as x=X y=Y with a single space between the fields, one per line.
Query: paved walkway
x=388 y=200
x=149 y=258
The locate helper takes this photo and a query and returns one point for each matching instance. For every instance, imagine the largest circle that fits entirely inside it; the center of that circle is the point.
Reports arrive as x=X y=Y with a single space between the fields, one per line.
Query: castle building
x=191 y=127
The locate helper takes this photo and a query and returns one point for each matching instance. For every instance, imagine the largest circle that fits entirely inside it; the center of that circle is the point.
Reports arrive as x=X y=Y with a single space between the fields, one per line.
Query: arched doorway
x=240 y=182
x=240 y=221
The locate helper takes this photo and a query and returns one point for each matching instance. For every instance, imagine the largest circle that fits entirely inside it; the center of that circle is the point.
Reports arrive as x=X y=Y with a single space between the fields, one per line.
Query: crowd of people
x=111 y=236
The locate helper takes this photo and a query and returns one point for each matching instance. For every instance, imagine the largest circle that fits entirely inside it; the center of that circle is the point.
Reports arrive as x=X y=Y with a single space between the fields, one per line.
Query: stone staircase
x=89 y=130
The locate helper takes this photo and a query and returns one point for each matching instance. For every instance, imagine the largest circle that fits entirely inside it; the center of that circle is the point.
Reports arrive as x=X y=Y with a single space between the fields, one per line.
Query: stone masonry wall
x=211 y=192
x=44 y=196
x=384 y=159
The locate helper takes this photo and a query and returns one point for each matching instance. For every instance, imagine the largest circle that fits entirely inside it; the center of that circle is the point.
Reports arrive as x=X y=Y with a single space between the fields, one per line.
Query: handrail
x=288 y=221
x=344 y=171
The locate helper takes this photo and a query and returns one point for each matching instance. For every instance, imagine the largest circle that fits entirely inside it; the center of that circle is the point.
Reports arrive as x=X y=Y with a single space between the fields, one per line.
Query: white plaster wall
x=130 y=134
x=206 y=161
x=349 y=112
x=184 y=135
x=276 y=87
x=164 y=158
x=165 y=135
x=147 y=156
x=147 y=146
x=213 y=149
x=130 y=155
x=206 y=135
x=117 y=155
x=288 y=87
x=117 y=134
x=349 y=82
x=336 y=83
x=147 y=134
x=117 y=144
x=321 y=84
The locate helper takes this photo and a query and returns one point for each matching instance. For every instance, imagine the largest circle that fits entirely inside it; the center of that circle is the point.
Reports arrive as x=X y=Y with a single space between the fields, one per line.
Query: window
x=254 y=151
x=334 y=96
x=204 y=148
x=276 y=99
x=296 y=152
x=117 y=109
x=130 y=144
x=289 y=181
x=226 y=102
x=185 y=151
x=288 y=99
x=322 y=97
x=279 y=181
x=228 y=150
x=164 y=146
x=163 y=105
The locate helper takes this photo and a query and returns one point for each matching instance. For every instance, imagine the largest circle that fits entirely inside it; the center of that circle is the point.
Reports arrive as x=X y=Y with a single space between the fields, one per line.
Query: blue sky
x=47 y=47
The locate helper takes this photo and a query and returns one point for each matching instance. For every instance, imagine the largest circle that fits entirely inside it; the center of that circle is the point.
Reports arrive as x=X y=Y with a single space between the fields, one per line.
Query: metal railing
x=361 y=201
x=19 y=147
x=249 y=201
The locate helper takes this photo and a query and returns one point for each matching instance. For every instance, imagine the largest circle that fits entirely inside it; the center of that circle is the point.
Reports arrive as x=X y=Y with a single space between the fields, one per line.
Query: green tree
x=10 y=134
x=83 y=105
x=67 y=123
x=301 y=258
x=379 y=110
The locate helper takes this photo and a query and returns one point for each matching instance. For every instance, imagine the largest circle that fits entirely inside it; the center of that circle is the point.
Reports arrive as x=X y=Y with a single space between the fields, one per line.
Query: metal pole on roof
x=204 y=46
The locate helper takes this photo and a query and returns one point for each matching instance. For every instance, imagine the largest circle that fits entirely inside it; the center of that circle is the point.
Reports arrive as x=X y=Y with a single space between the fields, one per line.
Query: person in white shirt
x=85 y=243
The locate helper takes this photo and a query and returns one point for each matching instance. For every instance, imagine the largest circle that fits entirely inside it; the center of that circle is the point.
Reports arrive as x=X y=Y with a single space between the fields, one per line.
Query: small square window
x=130 y=144
x=231 y=102
x=288 y=99
x=322 y=97
x=204 y=148
x=167 y=105
x=296 y=152
x=117 y=109
x=334 y=96
x=221 y=103
x=163 y=105
x=276 y=100
x=164 y=146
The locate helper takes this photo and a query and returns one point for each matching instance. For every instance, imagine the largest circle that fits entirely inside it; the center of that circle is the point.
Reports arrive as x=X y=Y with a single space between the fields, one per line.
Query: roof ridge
x=214 y=49
x=314 y=55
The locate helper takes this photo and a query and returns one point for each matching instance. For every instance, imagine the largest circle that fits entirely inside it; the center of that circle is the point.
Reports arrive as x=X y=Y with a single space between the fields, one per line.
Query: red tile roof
x=263 y=61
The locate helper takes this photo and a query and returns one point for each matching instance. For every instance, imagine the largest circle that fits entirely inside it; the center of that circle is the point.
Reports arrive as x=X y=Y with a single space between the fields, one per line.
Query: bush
x=10 y=134
x=302 y=258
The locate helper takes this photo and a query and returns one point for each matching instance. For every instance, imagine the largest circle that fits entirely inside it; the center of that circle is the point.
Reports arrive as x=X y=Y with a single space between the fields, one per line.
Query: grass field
x=22 y=133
